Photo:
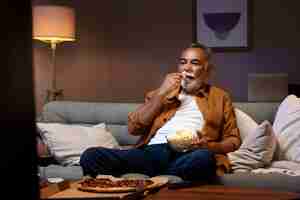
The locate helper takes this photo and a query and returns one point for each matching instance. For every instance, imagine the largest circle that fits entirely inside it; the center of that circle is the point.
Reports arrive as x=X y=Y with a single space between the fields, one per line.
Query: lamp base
x=54 y=94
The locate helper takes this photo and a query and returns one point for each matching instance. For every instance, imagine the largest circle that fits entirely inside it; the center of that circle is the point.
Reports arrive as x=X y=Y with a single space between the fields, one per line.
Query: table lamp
x=53 y=24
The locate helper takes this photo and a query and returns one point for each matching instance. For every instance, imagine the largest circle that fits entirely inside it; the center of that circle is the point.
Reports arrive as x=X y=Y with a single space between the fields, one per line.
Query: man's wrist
x=161 y=93
x=159 y=99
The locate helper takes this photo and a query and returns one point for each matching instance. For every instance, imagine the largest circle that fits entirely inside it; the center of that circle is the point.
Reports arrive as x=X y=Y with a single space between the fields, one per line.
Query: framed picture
x=223 y=25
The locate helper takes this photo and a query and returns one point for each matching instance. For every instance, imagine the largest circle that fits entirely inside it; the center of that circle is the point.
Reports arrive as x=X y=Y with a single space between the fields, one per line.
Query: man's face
x=193 y=65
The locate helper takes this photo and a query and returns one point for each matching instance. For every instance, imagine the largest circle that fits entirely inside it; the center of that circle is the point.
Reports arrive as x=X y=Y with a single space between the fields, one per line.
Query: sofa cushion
x=285 y=164
x=256 y=150
x=290 y=168
x=245 y=123
x=65 y=172
x=276 y=182
x=67 y=142
x=120 y=132
x=287 y=129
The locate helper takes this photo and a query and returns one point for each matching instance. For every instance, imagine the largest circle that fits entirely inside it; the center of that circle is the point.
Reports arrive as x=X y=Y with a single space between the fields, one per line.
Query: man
x=185 y=100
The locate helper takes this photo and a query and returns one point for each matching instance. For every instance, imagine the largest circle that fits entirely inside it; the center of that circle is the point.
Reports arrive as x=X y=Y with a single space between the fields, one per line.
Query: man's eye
x=195 y=62
x=182 y=62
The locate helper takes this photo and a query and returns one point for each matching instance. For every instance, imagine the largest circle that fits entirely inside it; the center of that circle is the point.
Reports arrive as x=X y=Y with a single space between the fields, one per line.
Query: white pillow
x=285 y=164
x=245 y=123
x=287 y=129
x=256 y=151
x=67 y=142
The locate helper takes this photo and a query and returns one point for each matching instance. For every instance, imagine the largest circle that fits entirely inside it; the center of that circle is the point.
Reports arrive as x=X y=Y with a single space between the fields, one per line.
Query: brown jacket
x=220 y=128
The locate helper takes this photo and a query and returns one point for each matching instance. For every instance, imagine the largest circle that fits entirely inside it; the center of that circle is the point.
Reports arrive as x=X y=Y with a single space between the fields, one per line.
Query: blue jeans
x=151 y=160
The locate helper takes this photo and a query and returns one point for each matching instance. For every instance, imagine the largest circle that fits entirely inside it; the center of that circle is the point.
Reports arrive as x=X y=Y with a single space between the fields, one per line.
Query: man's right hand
x=170 y=85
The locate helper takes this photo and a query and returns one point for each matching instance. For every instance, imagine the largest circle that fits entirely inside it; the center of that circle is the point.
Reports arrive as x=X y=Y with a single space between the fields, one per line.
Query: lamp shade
x=53 y=23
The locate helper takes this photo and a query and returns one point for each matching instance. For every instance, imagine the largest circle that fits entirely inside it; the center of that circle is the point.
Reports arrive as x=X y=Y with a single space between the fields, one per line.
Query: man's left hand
x=199 y=142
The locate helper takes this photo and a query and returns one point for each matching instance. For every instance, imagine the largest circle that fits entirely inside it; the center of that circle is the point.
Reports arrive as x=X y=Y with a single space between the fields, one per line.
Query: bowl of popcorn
x=181 y=140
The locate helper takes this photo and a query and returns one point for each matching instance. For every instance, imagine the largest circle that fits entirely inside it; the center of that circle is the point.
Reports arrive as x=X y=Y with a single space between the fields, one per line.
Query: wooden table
x=205 y=192
x=213 y=192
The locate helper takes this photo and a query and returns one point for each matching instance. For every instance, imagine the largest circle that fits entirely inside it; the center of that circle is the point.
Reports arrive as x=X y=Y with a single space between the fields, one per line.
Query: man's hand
x=199 y=142
x=170 y=85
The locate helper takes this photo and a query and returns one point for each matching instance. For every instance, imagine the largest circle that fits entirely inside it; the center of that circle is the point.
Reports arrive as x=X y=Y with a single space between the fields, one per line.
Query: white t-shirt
x=188 y=117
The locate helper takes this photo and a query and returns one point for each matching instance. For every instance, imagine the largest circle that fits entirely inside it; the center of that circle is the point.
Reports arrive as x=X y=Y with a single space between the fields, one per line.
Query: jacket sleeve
x=230 y=136
x=140 y=121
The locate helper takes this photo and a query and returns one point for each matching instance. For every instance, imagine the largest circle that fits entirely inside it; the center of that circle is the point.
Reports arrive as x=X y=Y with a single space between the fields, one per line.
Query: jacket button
x=165 y=119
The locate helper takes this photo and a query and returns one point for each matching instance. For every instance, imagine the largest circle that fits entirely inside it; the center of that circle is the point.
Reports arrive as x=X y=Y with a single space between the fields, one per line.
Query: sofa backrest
x=114 y=115
x=259 y=111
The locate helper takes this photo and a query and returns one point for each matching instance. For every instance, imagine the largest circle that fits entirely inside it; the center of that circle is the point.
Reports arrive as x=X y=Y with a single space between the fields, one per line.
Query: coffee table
x=206 y=192
x=214 y=192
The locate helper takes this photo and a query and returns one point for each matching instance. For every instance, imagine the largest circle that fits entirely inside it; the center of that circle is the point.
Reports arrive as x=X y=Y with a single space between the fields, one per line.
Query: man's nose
x=187 y=67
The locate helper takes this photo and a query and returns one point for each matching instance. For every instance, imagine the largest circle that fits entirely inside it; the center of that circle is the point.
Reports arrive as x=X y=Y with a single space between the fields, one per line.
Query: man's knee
x=197 y=165
x=203 y=155
x=100 y=160
x=86 y=161
x=87 y=155
x=201 y=160
x=201 y=163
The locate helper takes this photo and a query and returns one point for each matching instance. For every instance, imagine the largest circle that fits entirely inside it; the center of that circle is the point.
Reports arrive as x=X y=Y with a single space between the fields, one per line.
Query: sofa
x=114 y=115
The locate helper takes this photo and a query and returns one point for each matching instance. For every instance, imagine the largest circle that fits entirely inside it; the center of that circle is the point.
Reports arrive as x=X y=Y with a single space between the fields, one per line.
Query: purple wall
x=275 y=48
x=124 y=48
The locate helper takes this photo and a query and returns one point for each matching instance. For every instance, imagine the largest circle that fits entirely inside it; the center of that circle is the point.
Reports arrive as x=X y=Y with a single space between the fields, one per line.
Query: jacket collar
x=203 y=91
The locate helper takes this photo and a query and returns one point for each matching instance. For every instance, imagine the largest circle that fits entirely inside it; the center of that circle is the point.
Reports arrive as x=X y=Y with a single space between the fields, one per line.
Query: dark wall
x=124 y=48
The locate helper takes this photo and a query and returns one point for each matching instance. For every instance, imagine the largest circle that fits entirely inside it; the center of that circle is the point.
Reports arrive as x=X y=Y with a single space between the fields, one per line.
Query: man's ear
x=207 y=69
x=206 y=66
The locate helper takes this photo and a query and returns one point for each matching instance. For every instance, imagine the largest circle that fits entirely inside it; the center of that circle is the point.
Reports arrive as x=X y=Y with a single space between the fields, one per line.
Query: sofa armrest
x=44 y=161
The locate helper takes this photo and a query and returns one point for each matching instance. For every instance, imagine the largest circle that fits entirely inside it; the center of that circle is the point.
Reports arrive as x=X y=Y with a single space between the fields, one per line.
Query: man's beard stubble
x=191 y=87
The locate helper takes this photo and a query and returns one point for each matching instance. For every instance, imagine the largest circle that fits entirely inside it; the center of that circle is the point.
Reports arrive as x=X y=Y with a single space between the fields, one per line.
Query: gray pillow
x=51 y=117
x=256 y=151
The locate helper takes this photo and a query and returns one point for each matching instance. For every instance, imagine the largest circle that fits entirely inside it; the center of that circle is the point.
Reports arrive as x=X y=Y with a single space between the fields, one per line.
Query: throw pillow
x=256 y=150
x=41 y=146
x=67 y=142
x=245 y=123
x=287 y=129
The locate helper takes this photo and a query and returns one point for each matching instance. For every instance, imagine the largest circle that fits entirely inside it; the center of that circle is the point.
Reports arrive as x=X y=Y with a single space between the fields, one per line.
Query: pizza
x=100 y=184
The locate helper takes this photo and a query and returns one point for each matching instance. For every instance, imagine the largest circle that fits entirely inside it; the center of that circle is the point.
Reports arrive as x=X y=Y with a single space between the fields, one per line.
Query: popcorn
x=181 y=140
x=187 y=74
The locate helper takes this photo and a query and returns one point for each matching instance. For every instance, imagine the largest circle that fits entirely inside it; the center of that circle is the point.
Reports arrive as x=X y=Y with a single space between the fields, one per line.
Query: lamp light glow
x=53 y=24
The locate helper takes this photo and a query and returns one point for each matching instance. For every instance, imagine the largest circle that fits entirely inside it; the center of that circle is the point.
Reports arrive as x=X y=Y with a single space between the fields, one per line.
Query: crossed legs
x=151 y=160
